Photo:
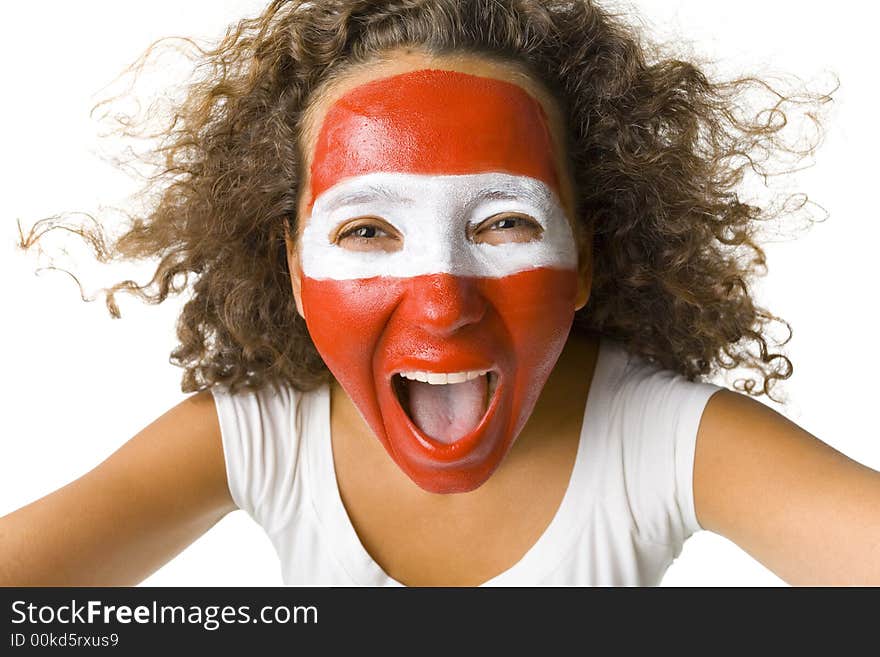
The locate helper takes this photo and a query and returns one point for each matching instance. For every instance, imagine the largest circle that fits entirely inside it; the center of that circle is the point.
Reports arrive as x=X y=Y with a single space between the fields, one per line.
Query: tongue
x=448 y=412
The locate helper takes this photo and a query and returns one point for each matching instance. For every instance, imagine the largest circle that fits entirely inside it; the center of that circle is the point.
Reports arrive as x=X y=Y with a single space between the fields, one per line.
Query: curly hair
x=657 y=150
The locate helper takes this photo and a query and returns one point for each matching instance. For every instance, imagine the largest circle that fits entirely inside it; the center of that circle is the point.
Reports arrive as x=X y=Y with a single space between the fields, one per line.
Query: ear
x=295 y=268
x=585 y=267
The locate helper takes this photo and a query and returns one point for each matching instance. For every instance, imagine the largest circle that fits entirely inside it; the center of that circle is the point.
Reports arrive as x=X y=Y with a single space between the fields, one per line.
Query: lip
x=474 y=446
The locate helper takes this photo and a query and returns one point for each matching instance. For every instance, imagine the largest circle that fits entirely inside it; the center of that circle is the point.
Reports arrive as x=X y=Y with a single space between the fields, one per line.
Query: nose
x=443 y=303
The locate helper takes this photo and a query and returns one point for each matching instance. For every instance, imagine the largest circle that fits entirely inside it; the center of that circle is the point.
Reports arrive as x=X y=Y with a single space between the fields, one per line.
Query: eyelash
x=350 y=232
x=518 y=221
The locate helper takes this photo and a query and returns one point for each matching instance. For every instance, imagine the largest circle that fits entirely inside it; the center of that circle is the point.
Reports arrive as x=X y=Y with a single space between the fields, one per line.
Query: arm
x=801 y=508
x=130 y=515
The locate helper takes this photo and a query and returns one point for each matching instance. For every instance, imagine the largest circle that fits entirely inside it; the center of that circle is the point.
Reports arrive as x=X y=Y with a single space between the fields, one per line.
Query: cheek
x=346 y=319
x=534 y=304
x=537 y=309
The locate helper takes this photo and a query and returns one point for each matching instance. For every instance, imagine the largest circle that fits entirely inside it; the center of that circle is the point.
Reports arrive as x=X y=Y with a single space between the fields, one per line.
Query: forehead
x=413 y=113
x=438 y=122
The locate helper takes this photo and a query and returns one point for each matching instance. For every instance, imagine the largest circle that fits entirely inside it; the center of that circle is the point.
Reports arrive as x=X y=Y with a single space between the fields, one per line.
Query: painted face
x=439 y=268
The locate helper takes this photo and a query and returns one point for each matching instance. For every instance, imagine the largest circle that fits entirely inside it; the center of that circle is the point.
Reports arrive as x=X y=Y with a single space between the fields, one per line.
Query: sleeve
x=259 y=446
x=663 y=411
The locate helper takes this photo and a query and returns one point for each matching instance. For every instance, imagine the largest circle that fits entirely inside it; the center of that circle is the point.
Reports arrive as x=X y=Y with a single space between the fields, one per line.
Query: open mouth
x=445 y=406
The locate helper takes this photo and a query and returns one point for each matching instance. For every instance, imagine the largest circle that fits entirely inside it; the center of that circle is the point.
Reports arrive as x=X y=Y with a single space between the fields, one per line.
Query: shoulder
x=265 y=420
x=748 y=454
x=172 y=469
x=742 y=445
x=261 y=413
x=264 y=436
x=803 y=509
x=133 y=512
x=650 y=419
x=638 y=385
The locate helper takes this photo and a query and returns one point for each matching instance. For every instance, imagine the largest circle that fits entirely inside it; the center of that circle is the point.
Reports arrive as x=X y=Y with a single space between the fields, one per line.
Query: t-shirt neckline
x=544 y=556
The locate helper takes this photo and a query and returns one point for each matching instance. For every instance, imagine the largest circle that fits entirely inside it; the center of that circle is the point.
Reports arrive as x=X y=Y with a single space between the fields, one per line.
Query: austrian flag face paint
x=439 y=268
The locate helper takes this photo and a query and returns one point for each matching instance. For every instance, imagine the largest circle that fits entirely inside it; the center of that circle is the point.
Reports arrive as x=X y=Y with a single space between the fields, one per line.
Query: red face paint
x=434 y=122
x=454 y=307
x=371 y=329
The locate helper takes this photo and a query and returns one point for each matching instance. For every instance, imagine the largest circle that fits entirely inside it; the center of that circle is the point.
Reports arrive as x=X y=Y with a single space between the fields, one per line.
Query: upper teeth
x=442 y=378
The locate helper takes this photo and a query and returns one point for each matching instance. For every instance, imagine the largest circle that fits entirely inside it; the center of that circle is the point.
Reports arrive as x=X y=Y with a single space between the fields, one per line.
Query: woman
x=765 y=431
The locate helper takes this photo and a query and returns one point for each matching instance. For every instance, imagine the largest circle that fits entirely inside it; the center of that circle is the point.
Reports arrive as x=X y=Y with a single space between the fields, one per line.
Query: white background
x=77 y=384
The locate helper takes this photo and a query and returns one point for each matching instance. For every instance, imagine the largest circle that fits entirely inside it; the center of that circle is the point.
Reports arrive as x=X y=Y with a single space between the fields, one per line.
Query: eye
x=368 y=234
x=365 y=232
x=506 y=228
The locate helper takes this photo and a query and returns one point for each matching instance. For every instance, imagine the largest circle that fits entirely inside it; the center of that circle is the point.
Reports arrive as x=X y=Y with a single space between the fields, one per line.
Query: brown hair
x=657 y=150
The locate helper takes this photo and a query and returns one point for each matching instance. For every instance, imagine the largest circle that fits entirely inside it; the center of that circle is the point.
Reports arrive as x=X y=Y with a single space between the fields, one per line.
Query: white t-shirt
x=627 y=511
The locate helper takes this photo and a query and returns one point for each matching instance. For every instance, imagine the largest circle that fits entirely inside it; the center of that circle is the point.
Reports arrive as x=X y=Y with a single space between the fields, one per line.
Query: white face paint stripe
x=432 y=213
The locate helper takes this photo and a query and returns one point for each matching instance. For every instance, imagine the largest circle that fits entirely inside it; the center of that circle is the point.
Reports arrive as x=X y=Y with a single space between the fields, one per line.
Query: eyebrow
x=371 y=193
x=509 y=195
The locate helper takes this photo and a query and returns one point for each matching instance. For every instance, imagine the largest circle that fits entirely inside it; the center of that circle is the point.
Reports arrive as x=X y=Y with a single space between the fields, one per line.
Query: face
x=436 y=268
